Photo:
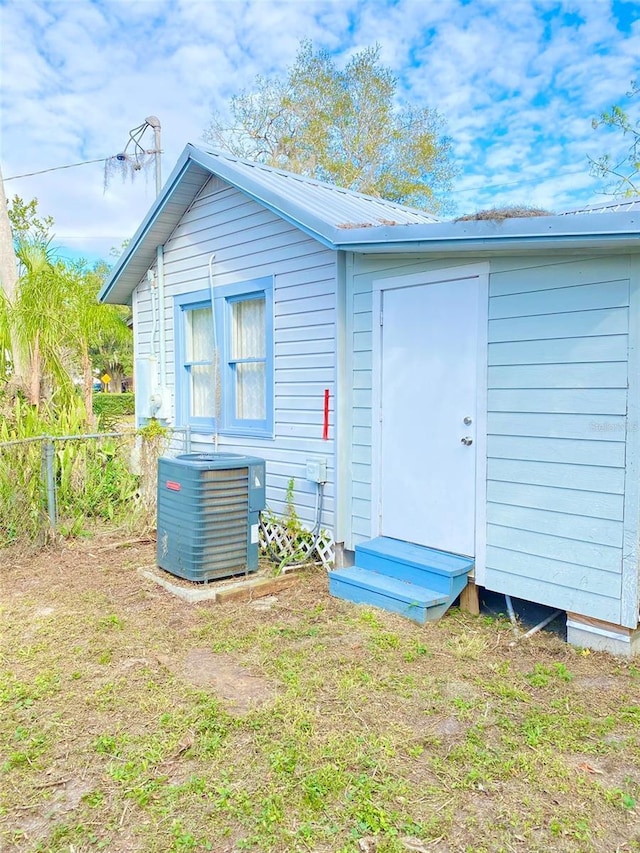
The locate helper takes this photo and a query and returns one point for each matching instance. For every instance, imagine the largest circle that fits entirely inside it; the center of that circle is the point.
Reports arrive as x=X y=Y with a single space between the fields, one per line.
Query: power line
x=452 y=191
x=123 y=158
x=56 y=168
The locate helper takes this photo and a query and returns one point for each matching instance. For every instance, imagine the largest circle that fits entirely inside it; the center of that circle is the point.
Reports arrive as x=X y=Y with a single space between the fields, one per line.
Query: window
x=237 y=355
x=195 y=377
x=244 y=313
x=199 y=362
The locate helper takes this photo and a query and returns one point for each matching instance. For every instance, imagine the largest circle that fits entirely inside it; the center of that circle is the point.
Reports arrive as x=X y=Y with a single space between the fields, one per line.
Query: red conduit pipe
x=325 y=426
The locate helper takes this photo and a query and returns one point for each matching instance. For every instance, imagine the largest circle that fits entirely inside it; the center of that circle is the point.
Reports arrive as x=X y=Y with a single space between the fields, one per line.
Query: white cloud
x=518 y=83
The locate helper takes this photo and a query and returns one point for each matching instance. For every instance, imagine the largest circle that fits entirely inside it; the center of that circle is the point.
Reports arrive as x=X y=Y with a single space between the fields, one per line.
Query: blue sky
x=517 y=82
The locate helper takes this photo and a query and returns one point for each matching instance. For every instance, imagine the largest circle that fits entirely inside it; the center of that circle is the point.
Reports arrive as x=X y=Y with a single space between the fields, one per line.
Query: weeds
x=375 y=731
x=93 y=479
x=293 y=543
x=542 y=676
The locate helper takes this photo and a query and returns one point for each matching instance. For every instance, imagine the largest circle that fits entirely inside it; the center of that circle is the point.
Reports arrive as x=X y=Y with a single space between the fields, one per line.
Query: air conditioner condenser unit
x=208 y=508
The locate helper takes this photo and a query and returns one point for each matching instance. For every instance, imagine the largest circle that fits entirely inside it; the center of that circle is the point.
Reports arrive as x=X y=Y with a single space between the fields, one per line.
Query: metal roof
x=491 y=237
x=344 y=220
x=322 y=210
x=326 y=205
x=611 y=206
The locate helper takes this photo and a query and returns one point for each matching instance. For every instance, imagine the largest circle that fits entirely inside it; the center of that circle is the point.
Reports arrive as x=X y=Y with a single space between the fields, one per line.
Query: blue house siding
x=557 y=406
x=250 y=242
x=559 y=519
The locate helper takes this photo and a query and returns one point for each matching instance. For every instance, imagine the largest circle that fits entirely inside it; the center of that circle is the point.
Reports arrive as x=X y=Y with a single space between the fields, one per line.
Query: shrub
x=108 y=408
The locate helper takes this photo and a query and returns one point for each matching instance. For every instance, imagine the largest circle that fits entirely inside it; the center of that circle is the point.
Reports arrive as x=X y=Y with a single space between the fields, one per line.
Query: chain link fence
x=66 y=485
x=52 y=485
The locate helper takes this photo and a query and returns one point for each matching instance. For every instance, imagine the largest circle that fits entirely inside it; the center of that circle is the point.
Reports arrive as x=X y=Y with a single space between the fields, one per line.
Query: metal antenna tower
x=135 y=156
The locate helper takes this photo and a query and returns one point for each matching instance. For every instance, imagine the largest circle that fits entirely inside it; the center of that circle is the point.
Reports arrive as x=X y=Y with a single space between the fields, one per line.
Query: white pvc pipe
x=216 y=365
x=154 y=313
x=161 y=319
x=539 y=627
x=512 y=614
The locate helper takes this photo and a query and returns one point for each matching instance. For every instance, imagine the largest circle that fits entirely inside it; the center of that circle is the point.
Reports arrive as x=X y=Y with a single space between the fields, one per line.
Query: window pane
x=202 y=391
x=251 y=391
x=248 y=338
x=199 y=335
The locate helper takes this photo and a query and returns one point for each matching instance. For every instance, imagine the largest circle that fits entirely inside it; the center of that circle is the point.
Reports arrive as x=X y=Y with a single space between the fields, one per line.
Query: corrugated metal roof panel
x=341 y=219
x=337 y=207
x=324 y=211
x=627 y=205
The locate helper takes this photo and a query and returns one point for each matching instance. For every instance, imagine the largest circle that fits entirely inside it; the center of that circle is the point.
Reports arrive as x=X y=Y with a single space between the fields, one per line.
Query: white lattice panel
x=285 y=544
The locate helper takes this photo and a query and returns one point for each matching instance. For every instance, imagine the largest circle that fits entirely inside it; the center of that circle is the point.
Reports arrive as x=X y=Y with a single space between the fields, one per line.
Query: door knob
x=467 y=440
x=467 y=420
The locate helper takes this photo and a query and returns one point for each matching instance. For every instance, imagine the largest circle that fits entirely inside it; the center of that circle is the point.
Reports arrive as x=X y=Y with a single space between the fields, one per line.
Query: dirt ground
x=135 y=721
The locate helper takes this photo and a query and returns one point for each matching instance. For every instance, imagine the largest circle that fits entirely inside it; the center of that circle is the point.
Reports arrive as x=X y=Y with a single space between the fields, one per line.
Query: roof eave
x=495 y=245
x=552 y=232
x=117 y=289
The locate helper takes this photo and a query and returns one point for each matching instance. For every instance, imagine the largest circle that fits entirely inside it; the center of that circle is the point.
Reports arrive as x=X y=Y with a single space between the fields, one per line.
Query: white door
x=428 y=414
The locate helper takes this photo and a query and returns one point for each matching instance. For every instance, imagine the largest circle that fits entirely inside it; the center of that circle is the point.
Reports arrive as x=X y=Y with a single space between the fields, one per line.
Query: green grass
x=372 y=727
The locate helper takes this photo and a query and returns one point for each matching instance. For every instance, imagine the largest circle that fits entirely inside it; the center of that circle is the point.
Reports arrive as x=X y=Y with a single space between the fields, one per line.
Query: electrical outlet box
x=145 y=371
x=317 y=470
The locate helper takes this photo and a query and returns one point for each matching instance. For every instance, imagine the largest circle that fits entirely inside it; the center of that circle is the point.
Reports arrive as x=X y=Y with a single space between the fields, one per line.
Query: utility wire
x=57 y=168
x=135 y=136
x=458 y=190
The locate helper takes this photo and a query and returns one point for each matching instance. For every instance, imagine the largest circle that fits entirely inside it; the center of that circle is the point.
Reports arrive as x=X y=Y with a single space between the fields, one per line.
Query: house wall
x=250 y=242
x=561 y=527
